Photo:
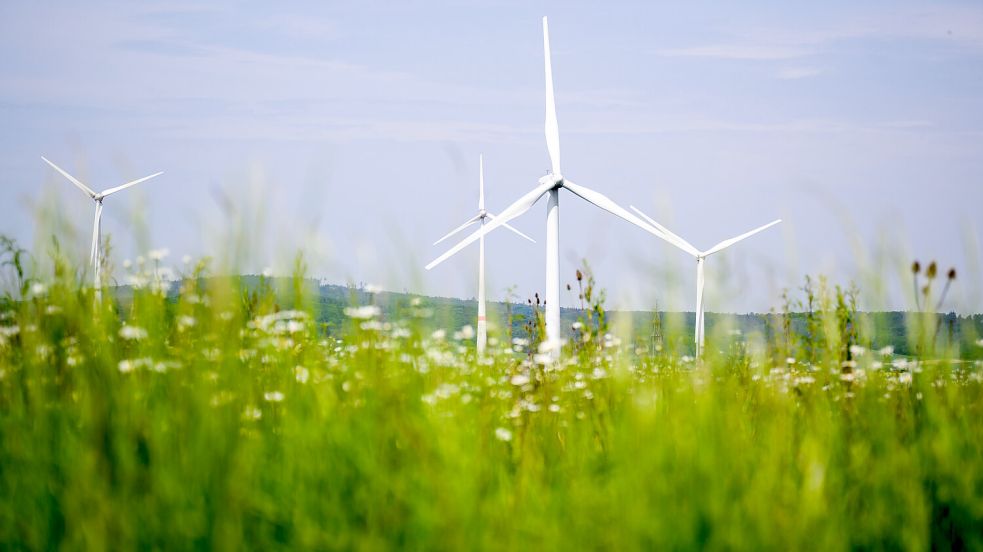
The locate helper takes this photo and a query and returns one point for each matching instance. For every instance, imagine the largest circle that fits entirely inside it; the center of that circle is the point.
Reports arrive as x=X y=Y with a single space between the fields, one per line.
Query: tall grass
x=226 y=417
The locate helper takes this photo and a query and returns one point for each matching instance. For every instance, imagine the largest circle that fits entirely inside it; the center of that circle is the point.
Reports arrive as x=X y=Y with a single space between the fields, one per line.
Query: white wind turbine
x=481 y=217
x=550 y=185
x=98 y=197
x=700 y=260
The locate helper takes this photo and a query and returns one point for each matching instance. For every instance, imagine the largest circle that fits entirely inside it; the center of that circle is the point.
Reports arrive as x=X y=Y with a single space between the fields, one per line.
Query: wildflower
x=519 y=380
x=857 y=350
x=790 y=360
x=125 y=366
x=364 y=312
x=804 y=380
x=252 y=413
x=186 y=259
x=905 y=378
x=542 y=358
x=134 y=333
x=467 y=332
x=9 y=331
x=373 y=289
x=37 y=288
x=554 y=408
x=158 y=254
x=503 y=434
x=577 y=325
x=886 y=351
x=301 y=374
x=127 y=264
x=438 y=335
x=268 y=272
x=273 y=396
x=184 y=322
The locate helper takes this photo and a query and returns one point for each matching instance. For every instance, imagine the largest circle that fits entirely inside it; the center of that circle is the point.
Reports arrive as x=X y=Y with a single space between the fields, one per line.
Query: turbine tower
x=700 y=261
x=551 y=184
x=98 y=197
x=481 y=217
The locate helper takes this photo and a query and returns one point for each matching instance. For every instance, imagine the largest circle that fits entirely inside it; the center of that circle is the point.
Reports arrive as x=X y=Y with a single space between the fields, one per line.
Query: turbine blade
x=672 y=238
x=128 y=184
x=469 y=222
x=493 y=217
x=552 y=128
x=610 y=206
x=481 y=182
x=727 y=243
x=520 y=206
x=88 y=191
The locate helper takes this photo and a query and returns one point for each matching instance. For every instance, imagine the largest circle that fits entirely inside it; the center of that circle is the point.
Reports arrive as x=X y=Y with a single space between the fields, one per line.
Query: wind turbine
x=700 y=261
x=98 y=197
x=480 y=218
x=550 y=185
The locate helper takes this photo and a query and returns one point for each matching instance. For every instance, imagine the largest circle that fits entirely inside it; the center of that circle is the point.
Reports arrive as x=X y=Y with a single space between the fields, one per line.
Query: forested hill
x=645 y=327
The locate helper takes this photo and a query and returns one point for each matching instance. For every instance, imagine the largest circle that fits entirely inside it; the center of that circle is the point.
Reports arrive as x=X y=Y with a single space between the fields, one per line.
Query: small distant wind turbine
x=97 y=223
x=700 y=260
x=551 y=185
x=480 y=218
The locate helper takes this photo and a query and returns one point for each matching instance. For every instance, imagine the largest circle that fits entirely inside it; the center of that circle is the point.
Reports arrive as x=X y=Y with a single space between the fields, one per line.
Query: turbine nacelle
x=555 y=179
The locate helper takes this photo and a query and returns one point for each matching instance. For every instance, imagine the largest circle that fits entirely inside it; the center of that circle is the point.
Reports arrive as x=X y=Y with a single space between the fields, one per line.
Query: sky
x=351 y=131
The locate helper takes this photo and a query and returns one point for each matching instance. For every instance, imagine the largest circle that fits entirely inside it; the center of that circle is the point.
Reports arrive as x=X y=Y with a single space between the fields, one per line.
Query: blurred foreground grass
x=227 y=418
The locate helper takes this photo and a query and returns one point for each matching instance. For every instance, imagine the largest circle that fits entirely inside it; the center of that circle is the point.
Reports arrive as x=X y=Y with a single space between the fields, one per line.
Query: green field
x=231 y=416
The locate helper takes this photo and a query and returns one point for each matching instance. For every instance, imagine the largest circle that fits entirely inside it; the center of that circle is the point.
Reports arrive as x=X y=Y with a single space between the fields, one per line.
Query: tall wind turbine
x=98 y=197
x=481 y=217
x=700 y=260
x=550 y=185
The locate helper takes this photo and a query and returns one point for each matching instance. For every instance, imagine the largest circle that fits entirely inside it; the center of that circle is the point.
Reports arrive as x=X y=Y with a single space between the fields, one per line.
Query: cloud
x=794 y=73
x=738 y=52
x=958 y=28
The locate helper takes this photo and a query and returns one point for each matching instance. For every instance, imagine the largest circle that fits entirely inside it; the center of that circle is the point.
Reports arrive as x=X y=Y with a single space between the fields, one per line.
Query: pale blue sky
x=356 y=128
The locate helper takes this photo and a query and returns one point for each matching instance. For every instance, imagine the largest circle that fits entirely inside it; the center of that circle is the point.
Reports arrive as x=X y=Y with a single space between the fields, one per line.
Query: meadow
x=203 y=414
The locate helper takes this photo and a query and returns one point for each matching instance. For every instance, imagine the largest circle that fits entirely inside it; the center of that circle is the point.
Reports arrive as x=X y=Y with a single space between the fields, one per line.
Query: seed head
x=580 y=275
x=916 y=267
x=952 y=273
x=568 y=287
x=932 y=270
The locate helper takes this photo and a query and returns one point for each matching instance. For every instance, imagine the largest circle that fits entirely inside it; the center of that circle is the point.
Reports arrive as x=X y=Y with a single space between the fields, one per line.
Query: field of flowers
x=223 y=417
